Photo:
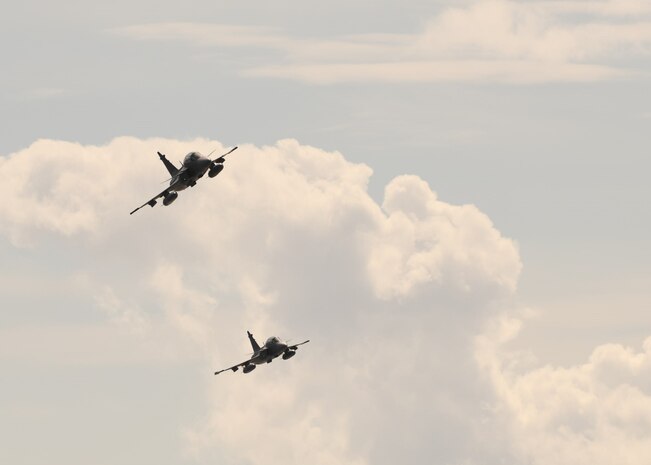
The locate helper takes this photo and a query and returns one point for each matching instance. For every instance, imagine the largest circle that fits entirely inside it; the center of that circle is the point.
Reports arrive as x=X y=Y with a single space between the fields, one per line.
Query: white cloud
x=598 y=412
x=127 y=315
x=285 y=241
x=427 y=242
x=506 y=71
x=600 y=7
x=485 y=41
x=530 y=33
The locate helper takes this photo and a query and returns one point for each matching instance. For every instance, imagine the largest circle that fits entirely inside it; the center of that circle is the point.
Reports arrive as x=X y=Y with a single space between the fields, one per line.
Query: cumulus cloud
x=409 y=359
x=285 y=241
x=426 y=241
x=486 y=41
x=598 y=412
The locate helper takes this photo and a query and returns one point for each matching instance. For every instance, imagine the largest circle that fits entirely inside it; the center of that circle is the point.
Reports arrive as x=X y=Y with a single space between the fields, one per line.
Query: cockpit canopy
x=272 y=340
x=190 y=157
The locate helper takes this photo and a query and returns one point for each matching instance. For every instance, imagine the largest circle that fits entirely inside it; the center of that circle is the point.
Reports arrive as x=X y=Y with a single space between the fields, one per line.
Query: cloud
x=403 y=301
x=528 y=32
x=485 y=41
x=511 y=72
x=285 y=241
x=598 y=412
x=616 y=8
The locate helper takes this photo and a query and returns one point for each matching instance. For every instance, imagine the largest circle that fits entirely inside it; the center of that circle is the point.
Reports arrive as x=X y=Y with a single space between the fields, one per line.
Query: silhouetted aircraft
x=271 y=349
x=194 y=167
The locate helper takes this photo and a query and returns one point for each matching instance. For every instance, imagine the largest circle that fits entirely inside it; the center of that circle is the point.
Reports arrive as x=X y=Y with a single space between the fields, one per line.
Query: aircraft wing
x=220 y=159
x=235 y=367
x=294 y=346
x=152 y=201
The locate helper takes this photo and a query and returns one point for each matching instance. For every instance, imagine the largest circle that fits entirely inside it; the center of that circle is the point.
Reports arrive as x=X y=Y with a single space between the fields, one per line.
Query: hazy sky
x=450 y=199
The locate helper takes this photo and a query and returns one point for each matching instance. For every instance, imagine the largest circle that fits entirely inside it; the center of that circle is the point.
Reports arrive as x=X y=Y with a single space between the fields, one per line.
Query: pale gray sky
x=535 y=112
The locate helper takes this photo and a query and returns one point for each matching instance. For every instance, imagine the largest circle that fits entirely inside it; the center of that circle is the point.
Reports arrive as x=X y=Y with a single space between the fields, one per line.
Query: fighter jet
x=271 y=349
x=194 y=167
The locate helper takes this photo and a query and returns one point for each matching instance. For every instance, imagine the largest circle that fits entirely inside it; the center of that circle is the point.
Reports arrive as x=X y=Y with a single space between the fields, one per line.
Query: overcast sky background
x=490 y=307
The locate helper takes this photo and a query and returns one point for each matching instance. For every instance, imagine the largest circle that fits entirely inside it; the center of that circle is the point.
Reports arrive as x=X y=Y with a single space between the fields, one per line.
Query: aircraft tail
x=170 y=167
x=254 y=344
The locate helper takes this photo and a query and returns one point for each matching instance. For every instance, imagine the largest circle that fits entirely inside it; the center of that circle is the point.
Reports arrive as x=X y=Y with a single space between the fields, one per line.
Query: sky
x=449 y=199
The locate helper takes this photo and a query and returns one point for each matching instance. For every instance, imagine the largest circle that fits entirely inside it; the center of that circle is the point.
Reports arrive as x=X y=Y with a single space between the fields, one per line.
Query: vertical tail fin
x=256 y=347
x=170 y=167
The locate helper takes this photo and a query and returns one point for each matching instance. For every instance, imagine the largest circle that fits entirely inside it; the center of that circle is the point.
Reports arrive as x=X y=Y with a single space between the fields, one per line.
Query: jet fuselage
x=194 y=167
x=272 y=348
